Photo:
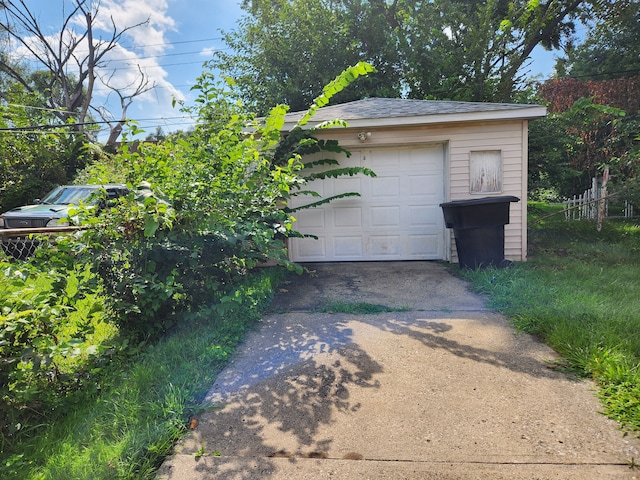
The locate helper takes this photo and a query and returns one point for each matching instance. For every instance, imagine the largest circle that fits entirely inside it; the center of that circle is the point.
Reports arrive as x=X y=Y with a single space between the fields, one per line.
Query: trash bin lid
x=481 y=201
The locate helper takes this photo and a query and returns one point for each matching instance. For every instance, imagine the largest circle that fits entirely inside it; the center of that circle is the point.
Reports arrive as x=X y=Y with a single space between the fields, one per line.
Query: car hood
x=59 y=211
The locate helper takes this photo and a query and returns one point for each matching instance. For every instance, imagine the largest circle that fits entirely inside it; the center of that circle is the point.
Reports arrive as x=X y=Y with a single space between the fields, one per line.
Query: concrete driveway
x=440 y=388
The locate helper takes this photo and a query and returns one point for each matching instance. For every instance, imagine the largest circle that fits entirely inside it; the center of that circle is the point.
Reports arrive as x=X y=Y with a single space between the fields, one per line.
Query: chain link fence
x=21 y=243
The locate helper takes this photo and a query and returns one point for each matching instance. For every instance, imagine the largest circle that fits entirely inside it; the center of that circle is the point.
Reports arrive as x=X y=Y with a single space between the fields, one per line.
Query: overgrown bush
x=219 y=208
x=216 y=209
x=568 y=149
x=54 y=336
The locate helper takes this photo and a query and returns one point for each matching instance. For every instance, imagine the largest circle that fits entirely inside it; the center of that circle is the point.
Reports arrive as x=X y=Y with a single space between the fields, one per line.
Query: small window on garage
x=486 y=171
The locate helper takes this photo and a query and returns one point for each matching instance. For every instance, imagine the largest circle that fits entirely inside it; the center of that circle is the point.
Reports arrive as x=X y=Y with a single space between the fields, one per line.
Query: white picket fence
x=585 y=206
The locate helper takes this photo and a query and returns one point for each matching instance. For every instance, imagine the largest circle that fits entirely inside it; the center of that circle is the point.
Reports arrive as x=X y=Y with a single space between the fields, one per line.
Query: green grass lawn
x=580 y=292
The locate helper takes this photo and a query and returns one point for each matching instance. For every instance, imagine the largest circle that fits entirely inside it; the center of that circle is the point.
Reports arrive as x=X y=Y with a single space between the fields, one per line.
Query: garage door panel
x=384 y=245
x=385 y=188
x=350 y=217
x=397 y=216
x=314 y=218
x=380 y=161
x=425 y=246
x=317 y=186
x=348 y=247
x=385 y=217
x=345 y=185
x=309 y=249
x=421 y=216
x=425 y=185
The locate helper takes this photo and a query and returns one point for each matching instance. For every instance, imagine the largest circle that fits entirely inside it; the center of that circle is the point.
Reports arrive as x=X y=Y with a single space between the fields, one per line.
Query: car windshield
x=68 y=195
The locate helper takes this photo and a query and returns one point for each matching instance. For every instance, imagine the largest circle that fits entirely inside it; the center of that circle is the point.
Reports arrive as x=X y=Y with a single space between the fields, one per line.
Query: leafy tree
x=33 y=160
x=283 y=50
x=593 y=120
x=590 y=124
x=561 y=93
x=468 y=50
x=567 y=149
x=611 y=48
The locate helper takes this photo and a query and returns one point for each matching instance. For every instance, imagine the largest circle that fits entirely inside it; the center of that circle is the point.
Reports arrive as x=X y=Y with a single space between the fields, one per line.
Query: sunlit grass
x=359 y=308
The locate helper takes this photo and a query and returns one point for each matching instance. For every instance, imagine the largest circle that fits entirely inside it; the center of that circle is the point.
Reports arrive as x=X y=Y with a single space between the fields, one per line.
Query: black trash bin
x=478 y=227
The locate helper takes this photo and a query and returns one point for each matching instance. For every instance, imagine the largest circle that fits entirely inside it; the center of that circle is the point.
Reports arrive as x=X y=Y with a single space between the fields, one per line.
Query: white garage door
x=397 y=216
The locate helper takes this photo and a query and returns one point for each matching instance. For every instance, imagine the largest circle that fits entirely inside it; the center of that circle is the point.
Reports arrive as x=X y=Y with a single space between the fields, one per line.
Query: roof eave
x=527 y=113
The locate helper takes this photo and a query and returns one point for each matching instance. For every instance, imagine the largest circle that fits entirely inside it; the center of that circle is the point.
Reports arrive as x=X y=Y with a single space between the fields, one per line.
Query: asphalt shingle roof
x=389 y=108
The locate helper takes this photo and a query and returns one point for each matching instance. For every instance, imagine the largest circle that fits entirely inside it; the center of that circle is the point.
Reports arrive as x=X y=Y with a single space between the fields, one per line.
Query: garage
x=424 y=153
x=396 y=217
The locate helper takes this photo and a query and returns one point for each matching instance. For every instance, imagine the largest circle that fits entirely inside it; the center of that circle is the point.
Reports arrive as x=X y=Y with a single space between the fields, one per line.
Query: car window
x=67 y=195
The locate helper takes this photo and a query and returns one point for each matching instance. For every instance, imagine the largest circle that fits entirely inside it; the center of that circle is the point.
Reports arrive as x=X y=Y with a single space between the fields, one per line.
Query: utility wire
x=176 y=43
x=50 y=127
x=178 y=54
x=158 y=56
x=177 y=117
x=46 y=127
x=161 y=121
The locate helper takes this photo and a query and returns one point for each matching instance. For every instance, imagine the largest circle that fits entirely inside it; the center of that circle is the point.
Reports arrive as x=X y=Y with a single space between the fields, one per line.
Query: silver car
x=53 y=211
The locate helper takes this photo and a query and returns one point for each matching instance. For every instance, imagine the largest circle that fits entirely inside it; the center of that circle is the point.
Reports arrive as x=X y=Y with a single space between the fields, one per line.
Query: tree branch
x=125 y=101
x=68 y=95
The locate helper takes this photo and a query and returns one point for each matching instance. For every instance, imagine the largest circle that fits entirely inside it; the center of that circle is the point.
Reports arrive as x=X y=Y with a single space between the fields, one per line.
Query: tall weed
x=128 y=430
x=54 y=338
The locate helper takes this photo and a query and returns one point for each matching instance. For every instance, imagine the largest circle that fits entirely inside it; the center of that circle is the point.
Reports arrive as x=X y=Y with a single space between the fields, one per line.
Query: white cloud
x=207 y=52
x=150 y=16
x=140 y=49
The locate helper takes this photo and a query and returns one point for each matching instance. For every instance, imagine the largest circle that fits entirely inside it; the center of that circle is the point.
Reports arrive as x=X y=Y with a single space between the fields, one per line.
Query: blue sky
x=171 y=49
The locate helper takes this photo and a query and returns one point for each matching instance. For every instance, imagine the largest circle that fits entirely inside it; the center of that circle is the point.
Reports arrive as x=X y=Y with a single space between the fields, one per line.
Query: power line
x=39 y=130
x=165 y=65
x=42 y=128
x=49 y=127
x=38 y=108
x=177 y=117
x=160 y=56
x=128 y=60
x=176 y=43
x=128 y=64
